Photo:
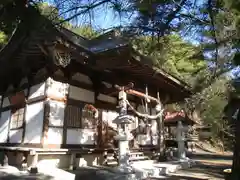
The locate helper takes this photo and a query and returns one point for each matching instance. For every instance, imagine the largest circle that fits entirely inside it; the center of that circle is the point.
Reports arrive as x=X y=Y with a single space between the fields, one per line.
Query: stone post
x=33 y=161
x=124 y=135
x=181 y=139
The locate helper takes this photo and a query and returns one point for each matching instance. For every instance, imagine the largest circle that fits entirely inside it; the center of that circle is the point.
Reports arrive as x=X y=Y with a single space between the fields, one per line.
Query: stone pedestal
x=124 y=152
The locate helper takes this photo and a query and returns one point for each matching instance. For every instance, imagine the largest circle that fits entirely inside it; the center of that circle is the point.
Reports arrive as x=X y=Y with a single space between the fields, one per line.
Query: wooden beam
x=115 y=77
x=43 y=50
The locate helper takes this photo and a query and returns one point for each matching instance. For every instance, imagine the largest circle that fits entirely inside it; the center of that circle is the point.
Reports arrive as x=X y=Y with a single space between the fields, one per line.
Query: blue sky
x=102 y=17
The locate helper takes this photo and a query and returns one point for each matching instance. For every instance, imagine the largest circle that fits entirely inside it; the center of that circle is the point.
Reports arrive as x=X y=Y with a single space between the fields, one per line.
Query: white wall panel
x=37 y=90
x=55 y=135
x=108 y=117
x=34 y=122
x=56 y=89
x=154 y=140
x=15 y=136
x=4 y=125
x=80 y=136
x=81 y=94
x=56 y=116
x=144 y=139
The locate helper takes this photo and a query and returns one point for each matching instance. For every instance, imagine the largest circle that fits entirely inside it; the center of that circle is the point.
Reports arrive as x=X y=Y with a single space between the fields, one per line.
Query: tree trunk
x=236 y=156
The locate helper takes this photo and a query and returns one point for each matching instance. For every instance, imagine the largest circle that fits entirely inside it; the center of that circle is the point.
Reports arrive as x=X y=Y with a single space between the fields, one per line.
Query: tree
x=174 y=55
x=3 y=38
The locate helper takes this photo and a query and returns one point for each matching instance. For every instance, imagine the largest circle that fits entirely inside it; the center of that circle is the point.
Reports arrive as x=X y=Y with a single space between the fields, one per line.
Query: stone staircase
x=111 y=158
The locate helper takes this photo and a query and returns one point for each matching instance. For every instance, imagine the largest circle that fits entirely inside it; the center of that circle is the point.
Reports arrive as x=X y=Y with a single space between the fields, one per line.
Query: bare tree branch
x=88 y=8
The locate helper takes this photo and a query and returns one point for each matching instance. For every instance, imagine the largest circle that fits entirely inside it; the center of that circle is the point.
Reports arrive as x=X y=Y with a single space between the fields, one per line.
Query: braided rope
x=145 y=116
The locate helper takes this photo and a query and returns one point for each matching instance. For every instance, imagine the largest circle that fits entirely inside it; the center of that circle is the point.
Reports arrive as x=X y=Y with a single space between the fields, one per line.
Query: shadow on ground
x=210 y=156
x=201 y=171
x=20 y=176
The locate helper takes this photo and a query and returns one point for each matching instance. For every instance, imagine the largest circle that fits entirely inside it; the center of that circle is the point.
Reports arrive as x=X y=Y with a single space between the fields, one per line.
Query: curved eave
x=13 y=43
x=184 y=87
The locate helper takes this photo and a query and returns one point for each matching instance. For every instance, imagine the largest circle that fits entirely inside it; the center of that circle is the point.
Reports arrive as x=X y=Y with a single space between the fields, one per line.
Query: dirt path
x=208 y=166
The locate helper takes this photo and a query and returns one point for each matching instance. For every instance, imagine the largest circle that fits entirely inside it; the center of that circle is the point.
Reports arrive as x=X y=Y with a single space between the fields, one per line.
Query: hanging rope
x=145 y=116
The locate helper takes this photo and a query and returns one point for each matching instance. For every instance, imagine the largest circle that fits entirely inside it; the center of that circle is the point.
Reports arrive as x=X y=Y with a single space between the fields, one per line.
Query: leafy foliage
x=174 y=55
x=3 y=38
x=85 y=31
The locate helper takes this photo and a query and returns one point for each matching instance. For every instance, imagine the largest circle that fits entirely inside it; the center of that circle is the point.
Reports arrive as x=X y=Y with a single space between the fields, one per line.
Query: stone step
x=162 y=168
x=152 y=169
x=134 y=156
x=138 y=158
x=113 y=161
x=136 y=153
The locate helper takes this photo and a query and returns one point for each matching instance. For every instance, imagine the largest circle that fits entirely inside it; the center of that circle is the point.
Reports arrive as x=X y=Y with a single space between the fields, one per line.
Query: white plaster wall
x=144 y=139
x=37 y=90
x=34 y=122
x=15 y=136
x=106 y=98
x=56 y=116
x=154 y=140
x=80 y=136
x=55 y=135
x=81 y=94
x=6 y=102
x=4 y=125
x=109 y=116
x=82 y=78
x=56 y=89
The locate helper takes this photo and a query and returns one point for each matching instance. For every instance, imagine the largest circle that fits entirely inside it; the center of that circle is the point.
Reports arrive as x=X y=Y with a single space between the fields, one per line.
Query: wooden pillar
x=99 y=130
x=72 y=162
x=44 y=138
x=46 y=111
x=25 y=114
x=151 y=134
x=65 y=120
x=4 y=158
